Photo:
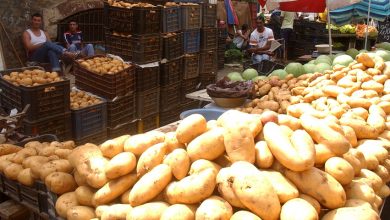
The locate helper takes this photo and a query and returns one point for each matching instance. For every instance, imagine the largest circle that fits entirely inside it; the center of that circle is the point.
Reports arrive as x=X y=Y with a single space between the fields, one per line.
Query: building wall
x=15 y=16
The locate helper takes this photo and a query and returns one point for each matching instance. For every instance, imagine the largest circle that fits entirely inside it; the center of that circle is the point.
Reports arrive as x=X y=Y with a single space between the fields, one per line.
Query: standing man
x=260 y=41
x=287 y=18
x=39 y=47
x=74 y=41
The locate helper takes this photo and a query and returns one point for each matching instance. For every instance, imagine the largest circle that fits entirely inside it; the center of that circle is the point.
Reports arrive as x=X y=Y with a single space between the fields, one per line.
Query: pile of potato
x=313 y=162
x=103 y=65
x=171 y=4
x=34 y=77
x=121 y=34
x=80 y=99
x=123 y=4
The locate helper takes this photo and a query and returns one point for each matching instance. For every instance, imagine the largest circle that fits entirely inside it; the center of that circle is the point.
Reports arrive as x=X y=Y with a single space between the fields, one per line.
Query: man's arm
x=47 y=36
x=27 y=42
x=67 y=42
x=268 y=45
x=282 y=17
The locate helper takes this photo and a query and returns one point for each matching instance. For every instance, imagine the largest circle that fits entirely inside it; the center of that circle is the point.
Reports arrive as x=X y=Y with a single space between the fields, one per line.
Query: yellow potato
x=297 y=209
x=84 y=195
x=137 y=144
x=120 y=165
x=264 y=157
x=149 y=211
x=209 y=145
x=179 y=162
x=312 y=201
x=152 y=157
x=244 y=215
x=283 y=187
x=360 y=190
x=110 y=148
x=190 y=128
x=340 y=169
x=225 y=188
x=185 y=212
x=214 y=208
x=172 y=142
x=80 y=213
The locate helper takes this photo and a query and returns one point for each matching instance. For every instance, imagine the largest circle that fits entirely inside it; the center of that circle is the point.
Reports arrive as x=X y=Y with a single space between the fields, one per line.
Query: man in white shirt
x=260 y=41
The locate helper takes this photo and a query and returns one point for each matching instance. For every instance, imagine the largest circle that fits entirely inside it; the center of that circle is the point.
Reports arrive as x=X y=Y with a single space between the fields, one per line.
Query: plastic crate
x=221 y=58
x=171 y=18
x=171 y=71
x=173 y=45
x=120 y=19
x=120 y=110
x=191 y=15
x=123 y=129
x=146 y=20
x=146 y=48
x=89 y=120
x=190 y=66
x=188 y=86
x=147 y=78
x=191 y=104
x=119 y=45
x=96 y=138
x=41 y=138
x=191 y=41
x=45 y=100
x=59 y=125
x=148 y=123
x=148 y=102
x=170 y=116
x=209 y=15
x=11 y=188
x=107 y=86
x=208 y=38
x=170 y=96
x=33 y=198
x=208 y=61
x=207 y=79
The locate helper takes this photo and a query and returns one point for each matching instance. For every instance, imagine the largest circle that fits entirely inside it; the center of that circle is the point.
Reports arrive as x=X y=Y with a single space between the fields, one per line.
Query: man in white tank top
x=39 y=47
x=260 y=41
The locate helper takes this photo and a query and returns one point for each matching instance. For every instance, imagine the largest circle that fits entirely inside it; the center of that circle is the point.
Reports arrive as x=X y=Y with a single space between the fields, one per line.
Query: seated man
x=39 y=47
x=260 y=41
x=242 y=37
x=73 y=39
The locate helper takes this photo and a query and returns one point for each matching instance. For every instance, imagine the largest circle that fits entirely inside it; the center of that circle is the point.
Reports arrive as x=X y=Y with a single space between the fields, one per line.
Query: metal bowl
x=209 y=114
x=229 y=102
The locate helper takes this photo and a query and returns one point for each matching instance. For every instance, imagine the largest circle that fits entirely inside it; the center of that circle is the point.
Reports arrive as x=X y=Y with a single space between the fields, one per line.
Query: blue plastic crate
x=171 y=18
x=189 y=1
x=192 y=41
x=89 y=120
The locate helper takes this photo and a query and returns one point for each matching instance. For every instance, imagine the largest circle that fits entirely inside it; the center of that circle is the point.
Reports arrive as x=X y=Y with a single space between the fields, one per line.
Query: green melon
x=295 y=68
x=309 y=68
x=352 y=52
x=322 y=67
x=280 y=73
x=343 y=60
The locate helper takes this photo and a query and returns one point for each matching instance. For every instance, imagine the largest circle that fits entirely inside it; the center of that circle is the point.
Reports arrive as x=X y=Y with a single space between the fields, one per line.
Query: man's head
x=36 y=20
x=73 y=26
x=260 y=23
x=244 y=27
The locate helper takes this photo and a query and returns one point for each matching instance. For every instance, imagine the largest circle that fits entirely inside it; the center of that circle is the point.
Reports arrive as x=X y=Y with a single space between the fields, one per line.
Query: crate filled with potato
x=46 y=92
x=104 y=76
x=89 y=117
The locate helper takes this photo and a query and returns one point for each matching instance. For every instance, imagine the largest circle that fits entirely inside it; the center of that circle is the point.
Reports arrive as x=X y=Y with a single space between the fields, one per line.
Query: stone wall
x=15 y=16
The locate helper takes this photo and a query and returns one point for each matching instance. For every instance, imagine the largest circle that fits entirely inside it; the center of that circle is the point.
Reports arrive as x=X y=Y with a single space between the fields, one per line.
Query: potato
x=212 y=124
x=12 y=171
x=9 y=149
x=225 y=187
x=320 y=185
x=244 y=215
x=214 y=208
x=60 y=165
x=172 y=142
x=374 y=179
x=80 y=213
x=80 y=180
x=209 y=145
x=150 y=185
x=4 y=164
x=327 y=134
x=312 y=202
x=84 y=195
x=63 y=153
x=65 y=202
x=113 y=189
x=60 y=182
x=25 y=178
x=298 y=209
x=357 y=203
x=384 y=191
x=191 y=189
x=47 y=151
x=82 y=153
x=68 y=145
x=350 y=135
x=254 y=190
x=137 y=144
x=201 y=165
x=179 y=162
x=113 y=147
x=283 y=187
x=289 y=121
x=21 y=155
x=360 y=190
x=94 y=171
x=152 y=157
x=120 y=165
x=150 y=211
x=116 y=212
x=184 y=212
x=101 y=209
x=356 y=213
x=31 y=161
x=340 y=169
x=297 y=154
x=190 y=128
x=383 y=173
x=263 y=155
x=373 y=148
x=353 y=161
x=233 y=117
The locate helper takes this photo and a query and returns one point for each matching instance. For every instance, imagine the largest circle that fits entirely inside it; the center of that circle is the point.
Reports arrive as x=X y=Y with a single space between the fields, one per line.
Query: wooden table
x=200 y=95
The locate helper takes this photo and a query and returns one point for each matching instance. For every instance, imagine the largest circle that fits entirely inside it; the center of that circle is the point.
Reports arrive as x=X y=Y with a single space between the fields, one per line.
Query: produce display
x=80 y=99
x=361 y=30
x=30 y=78
x=124 y=4
x=103 y=65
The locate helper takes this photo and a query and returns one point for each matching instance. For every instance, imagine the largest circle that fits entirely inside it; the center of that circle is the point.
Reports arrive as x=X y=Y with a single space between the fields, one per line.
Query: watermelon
x=384 y=54
x=352 y=52
x=309 y=68
x=321 y=67
x=324 y=57
x=323 y=60
x=259 y=78
x=235 y=76
x=295 y=68
x=280 y=73
x=343 y=60
x=249 y=74
x=312 y=62
x=384 y=45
